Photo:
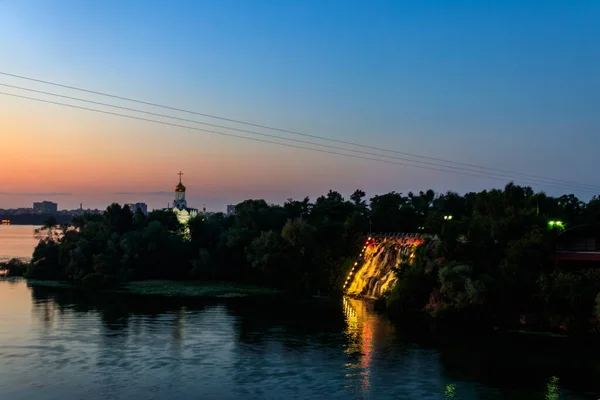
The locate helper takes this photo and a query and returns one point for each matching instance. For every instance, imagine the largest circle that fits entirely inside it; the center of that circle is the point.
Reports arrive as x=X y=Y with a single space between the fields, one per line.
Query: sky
x=512 y=85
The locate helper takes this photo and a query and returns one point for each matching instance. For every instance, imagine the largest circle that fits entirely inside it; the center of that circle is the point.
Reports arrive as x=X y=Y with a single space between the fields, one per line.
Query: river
x=16 y=241
x=64 y=344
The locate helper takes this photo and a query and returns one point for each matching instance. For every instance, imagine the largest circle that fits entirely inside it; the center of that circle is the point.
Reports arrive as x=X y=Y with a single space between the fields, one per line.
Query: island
x=505 y=259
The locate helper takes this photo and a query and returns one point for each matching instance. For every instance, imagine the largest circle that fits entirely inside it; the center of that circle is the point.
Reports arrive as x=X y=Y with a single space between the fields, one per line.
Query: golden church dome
x=180 y=187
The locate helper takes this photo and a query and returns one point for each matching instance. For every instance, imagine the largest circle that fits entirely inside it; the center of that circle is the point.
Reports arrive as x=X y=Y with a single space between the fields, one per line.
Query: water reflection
x=360 y=344
x=450 y=392
x=553 y=392
x=67 y=344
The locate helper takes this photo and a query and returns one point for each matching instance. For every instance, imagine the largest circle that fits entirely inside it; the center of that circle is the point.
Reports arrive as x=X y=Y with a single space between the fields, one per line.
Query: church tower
x=180 y=207
x=180 y=202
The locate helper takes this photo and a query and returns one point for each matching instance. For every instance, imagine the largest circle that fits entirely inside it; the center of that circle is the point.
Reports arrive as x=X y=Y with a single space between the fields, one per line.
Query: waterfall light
x=376 y=275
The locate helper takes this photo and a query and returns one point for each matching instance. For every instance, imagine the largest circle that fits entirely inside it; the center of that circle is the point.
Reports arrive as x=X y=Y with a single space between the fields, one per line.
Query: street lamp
x=556 y=224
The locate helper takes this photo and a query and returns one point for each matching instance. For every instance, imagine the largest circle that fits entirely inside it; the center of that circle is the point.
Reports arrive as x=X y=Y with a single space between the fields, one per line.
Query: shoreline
x=164 y=288
x=227 y=290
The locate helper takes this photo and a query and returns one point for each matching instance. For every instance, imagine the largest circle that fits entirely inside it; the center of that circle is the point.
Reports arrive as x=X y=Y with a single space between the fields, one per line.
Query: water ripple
x=57 y=346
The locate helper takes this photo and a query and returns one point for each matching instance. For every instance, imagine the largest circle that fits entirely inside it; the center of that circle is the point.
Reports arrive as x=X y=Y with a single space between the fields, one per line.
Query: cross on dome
x=180 y=188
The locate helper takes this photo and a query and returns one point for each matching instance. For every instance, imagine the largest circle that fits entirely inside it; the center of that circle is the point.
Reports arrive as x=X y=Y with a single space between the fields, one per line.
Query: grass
x=168 y=288
x=49 y=283
x=538 y=333
x=38 y=282
x=194 y=289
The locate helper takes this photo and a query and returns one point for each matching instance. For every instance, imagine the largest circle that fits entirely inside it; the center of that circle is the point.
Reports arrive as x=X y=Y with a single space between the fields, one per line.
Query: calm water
x=60 y=344
x=63 y=344
x=16 y=241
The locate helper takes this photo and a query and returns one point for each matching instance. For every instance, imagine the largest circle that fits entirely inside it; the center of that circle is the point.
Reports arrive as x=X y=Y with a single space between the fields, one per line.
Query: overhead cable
x=299 y=133
x=271 y=141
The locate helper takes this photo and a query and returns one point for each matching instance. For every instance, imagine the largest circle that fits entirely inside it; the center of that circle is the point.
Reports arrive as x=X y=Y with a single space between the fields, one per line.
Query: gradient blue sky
x=504 y=84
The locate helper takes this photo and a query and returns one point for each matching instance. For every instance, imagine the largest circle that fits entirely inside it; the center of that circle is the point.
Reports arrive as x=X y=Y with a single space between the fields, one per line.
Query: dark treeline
x=491 y=261
x=299 y=246
x=491 y=265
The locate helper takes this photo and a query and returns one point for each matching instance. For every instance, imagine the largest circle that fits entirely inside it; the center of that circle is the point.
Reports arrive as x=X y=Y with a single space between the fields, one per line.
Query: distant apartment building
x=231 y=209
x=143 y=207
x=46 y=207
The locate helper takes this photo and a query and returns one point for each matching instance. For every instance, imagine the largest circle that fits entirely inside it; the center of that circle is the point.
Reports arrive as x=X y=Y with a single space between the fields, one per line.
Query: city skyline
x=507 y=85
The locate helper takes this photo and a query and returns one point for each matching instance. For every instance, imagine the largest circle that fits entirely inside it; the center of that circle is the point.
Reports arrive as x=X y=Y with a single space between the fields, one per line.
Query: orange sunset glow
x=62 y=152
x=413 y=120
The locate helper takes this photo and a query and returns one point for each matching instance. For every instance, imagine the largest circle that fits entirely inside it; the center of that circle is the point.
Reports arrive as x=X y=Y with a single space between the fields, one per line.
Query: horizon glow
x=500 y=84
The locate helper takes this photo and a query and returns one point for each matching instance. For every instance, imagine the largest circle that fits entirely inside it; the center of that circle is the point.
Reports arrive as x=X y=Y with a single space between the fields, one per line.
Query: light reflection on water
x=57 y=344
x=17 y=241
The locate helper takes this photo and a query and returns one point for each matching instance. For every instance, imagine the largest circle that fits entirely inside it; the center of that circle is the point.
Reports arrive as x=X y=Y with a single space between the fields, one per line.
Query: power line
x=296 y=133
x=263 y=140
x=504 y=176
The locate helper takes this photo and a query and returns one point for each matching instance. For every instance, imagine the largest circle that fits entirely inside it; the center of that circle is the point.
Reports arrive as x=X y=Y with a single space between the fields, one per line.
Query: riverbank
x=195 y=289
x=419 y=327
x=140 y=346
x=165 y=288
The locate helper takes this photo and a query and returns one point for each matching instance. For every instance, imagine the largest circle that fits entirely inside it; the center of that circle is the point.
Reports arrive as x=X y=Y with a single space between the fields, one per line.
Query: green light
x=450 y=391
x=556 y=224
x=553 y=389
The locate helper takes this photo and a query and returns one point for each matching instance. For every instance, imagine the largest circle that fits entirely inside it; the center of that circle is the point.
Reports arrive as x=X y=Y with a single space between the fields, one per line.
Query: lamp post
x=446 y=218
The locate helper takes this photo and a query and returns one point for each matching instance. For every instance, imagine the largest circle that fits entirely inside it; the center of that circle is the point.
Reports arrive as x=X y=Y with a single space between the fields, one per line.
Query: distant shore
x=34 y=219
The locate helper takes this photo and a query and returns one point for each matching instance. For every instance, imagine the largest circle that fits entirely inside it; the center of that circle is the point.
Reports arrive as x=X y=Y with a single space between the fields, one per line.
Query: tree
x=268 y=256
x=48 y=230
x=357 y=198
x=385 y=212
x=118 y=219
x=14 y=267
x=488 y=263
x=166 y=218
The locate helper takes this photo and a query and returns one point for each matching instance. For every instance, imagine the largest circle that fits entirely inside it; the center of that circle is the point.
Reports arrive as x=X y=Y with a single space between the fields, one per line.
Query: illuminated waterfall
x=373 y=273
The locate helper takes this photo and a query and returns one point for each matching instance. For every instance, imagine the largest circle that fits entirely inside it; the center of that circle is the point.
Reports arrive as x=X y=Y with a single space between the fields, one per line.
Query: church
x=180 y=207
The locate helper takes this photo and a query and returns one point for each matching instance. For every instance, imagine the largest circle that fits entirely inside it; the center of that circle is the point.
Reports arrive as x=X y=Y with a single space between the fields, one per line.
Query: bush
x=94 y=281
x=14 y=267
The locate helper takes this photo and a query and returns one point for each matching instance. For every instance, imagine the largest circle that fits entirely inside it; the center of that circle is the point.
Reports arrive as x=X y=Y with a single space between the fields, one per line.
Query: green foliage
x=459 y=290
x=201 y=265
x=490 y=260
x=44 y=262
x=570 y=297
x=165 y=218
x=14 y=267
x=195 y=289
x=118 y=245
x=298 y=246
x=414 y=286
